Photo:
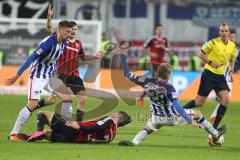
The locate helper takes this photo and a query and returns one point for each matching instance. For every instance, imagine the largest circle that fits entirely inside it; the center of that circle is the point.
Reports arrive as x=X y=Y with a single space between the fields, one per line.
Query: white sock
x=65 y=110
x=208 y=127
x=23 y=116
x=215 y=111
x=140 y=137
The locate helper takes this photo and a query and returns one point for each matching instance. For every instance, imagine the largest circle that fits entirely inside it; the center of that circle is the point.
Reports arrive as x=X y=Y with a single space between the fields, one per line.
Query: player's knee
x=32 y=104
x=224 y=100
x=52 y=100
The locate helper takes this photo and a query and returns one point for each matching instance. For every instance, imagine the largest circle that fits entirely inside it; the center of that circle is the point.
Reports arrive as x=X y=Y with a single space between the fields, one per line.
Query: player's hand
x=124 y=46
x=195 y=124
x=231 y=76
x=50 y=12
x=11 y=80
x=72 y=124
x=100 y=54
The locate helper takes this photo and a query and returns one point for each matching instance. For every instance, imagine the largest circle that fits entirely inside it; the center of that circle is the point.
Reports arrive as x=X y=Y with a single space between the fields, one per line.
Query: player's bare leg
x=199 y=101
x=81 y=104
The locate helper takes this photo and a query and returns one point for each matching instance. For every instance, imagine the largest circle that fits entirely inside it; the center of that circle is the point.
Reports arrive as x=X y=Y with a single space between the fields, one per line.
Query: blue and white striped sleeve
x=44 y=47
x=172 y=95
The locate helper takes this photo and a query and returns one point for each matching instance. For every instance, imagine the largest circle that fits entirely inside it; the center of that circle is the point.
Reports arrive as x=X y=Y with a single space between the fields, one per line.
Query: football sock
x=220 y=113
x=140 y=136
x=215 y=111
x=79 y=115
x=40 y=104
x=41 y=121
x=190 y=105
x=66 y=109
x=208 y=126
x=23 y=116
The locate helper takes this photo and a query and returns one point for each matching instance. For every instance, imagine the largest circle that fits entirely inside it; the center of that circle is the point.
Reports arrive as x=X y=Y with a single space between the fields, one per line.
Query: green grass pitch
x=169 y=143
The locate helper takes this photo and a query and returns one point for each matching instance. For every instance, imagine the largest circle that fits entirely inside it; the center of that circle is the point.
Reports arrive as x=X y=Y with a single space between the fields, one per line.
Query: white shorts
x=156 y=122
x=36 y=86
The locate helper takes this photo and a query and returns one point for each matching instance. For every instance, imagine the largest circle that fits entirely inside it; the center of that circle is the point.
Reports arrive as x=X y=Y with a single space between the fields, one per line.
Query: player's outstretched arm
x=139 y=80
x=98 y=55
x=49 y=18
x=23 y=67
x=182 y=112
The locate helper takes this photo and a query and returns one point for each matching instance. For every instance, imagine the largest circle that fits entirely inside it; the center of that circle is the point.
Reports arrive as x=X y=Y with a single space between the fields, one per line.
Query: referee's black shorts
x=211 y=81
x=61 y=132
x=73 y=82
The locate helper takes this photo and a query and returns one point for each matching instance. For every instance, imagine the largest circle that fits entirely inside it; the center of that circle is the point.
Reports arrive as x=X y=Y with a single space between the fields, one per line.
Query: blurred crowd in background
x=187 y=25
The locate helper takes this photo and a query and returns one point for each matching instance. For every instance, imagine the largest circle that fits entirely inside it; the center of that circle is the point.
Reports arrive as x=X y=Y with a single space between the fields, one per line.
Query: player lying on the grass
x=101 y=130
x=165 y=107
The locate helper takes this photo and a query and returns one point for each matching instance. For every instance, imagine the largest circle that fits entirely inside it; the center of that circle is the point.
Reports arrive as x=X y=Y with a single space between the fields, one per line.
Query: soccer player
x=67 y=67
x=232 y=37
x=157 y=46
x=219 y=53
x=42 y=73
x=101 y=130
x=165 y=107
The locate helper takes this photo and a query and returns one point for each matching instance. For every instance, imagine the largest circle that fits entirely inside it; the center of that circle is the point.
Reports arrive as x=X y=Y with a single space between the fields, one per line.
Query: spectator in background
x=105 y=44
x=144 y=62
x=20 y=53
x=175 y=62
x=195 y=62
x=32 y=49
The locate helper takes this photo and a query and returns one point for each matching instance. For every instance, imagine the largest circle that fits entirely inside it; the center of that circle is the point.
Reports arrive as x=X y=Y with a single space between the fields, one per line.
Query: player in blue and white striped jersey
x=43 y=68
x=165 y=107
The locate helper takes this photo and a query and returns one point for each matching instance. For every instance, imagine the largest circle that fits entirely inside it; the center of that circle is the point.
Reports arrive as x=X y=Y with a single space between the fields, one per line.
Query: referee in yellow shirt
x=217 y=54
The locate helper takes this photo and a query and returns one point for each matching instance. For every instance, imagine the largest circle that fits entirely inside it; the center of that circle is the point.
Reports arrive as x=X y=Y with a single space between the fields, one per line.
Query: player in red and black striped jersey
x=67 y=67
x=101 y=130
x=156 y=46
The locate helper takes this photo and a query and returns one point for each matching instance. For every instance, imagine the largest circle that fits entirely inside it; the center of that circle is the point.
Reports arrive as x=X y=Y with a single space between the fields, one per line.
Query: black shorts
x=73 y=82
x=61 y=132
x=211 y=81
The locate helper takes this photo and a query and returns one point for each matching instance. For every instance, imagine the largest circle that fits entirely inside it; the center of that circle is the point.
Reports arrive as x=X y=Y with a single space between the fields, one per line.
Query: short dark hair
x=163 y=70
x=72 y=23
x=64 y=23
x=158 y=25
x=126 y=118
